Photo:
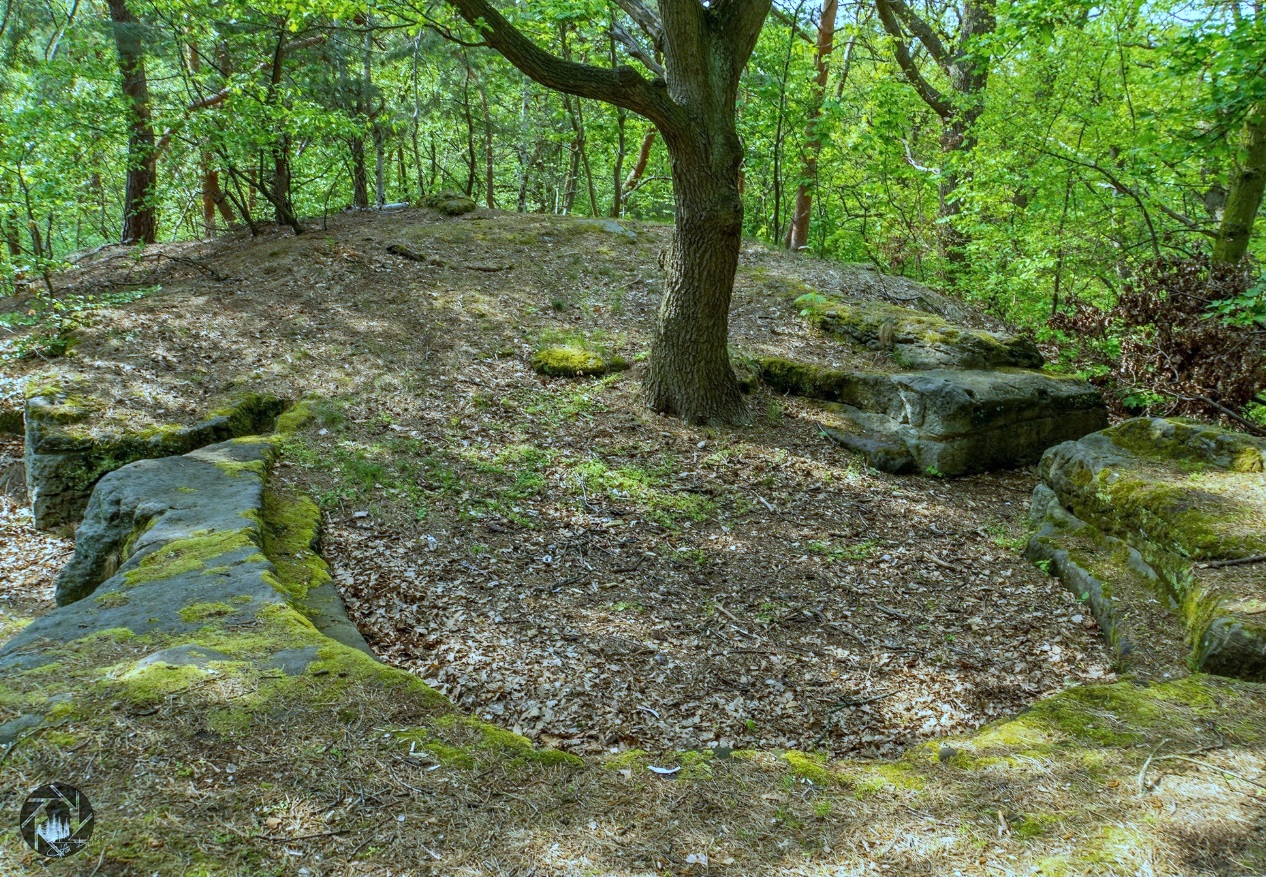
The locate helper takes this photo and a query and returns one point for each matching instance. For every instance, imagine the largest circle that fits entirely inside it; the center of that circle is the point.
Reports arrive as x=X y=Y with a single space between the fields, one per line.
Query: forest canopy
x=1035 y=156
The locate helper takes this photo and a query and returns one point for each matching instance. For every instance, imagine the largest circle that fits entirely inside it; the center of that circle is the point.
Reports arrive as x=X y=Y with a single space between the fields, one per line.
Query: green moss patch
x=191 y=554
x=574 y=362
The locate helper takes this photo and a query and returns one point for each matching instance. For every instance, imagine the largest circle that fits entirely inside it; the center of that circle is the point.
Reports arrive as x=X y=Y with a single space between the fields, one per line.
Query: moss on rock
x=916 y=339
x=572 y=361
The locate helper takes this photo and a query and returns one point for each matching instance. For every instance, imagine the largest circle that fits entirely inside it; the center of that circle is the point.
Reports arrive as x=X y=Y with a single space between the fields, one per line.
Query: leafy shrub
x=1185 y=337
x=51 y=321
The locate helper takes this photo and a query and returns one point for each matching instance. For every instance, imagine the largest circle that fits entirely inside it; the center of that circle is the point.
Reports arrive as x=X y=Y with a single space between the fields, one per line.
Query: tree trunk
x=278 y=191
x=139 y=219
x=969 y=76
x=490 y=195
x=634 y=179
x=798 y=230
x=690 y=374
x=360 y=182
x=1244 y=196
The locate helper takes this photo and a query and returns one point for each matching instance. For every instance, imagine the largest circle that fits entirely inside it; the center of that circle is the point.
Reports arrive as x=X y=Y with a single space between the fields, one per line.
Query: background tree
x=139 y=215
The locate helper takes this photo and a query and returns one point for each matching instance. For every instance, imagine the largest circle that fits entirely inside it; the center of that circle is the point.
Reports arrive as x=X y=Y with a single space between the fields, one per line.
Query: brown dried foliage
x=1165 y=351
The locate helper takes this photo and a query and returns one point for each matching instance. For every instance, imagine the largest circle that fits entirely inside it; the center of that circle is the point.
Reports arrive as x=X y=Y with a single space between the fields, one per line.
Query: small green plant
x=55 y=317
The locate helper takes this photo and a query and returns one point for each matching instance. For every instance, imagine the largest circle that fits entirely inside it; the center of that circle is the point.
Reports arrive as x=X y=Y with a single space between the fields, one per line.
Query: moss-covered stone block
x=67 y=451
x=916 y=339
x=449 y=202
x=1184 y=499
x=574 y=361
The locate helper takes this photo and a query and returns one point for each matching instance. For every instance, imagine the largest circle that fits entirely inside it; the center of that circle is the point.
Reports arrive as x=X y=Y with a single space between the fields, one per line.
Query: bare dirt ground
x=555 y=558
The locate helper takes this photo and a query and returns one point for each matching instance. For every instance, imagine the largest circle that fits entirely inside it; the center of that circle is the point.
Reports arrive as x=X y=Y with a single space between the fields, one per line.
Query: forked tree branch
x=645 y=19
x=921 y=29
x=930 y=94
x=622 y=86
x=636 y=49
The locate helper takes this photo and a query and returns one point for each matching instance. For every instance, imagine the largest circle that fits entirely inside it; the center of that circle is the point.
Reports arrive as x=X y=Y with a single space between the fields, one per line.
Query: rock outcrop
x=958 y=399
x=1166 y=508
x=67 y=451
x=949 y=422
x=917 y=339
x=166 y=545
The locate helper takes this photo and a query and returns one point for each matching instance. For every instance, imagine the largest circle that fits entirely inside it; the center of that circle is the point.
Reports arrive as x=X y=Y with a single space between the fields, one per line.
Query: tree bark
x=634 y=179
x=690 y=374
x=360 y=176
x=1244 y=195
x=140 y=224
x=798 y=230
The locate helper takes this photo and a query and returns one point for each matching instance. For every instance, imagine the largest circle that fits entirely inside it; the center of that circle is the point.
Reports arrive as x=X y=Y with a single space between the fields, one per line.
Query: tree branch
x=636 y=49
x=741 y=20
x=219 y=97
x=931 y=96
x=787 y=20
x=622 y=86
x=645 y=19
x=921 y=29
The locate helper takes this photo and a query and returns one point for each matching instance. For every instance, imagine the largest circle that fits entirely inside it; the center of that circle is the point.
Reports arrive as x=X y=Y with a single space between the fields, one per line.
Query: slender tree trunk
x=139 y=211
x=573 y=179
x=417 y=111
x=521 y=147
x=798 y=229
x=489 y=176
x=968 y=75
x=690 y=374
x=1244 y=195
x=621 y=144
x=278 y=191
x=639 y=166
x=471 y=161
x=380 y=167
x=360 y=176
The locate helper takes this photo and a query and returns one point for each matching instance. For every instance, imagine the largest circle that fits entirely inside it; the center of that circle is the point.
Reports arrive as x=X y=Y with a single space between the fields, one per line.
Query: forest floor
x=554 y=557
x=561 y=562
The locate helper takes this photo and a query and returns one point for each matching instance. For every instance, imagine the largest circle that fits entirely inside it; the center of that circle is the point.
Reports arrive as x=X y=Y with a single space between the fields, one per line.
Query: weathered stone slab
x=1185 y=500
x=65 y=457
x=917 y=339
x=951 y=422
x=1189 y=490
x=1126 y=596
x=168 y=546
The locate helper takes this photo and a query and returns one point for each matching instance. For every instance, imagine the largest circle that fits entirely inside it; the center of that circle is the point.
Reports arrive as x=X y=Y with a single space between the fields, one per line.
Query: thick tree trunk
x=1244 y=196
x=139 y=211
x=690 y=374
x=798 y=230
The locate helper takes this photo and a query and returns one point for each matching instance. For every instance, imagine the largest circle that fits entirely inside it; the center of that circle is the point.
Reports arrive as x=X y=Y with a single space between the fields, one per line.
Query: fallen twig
x=273 y=839
x=1238 y=561
x=1212 y=766
x=1143 y=769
